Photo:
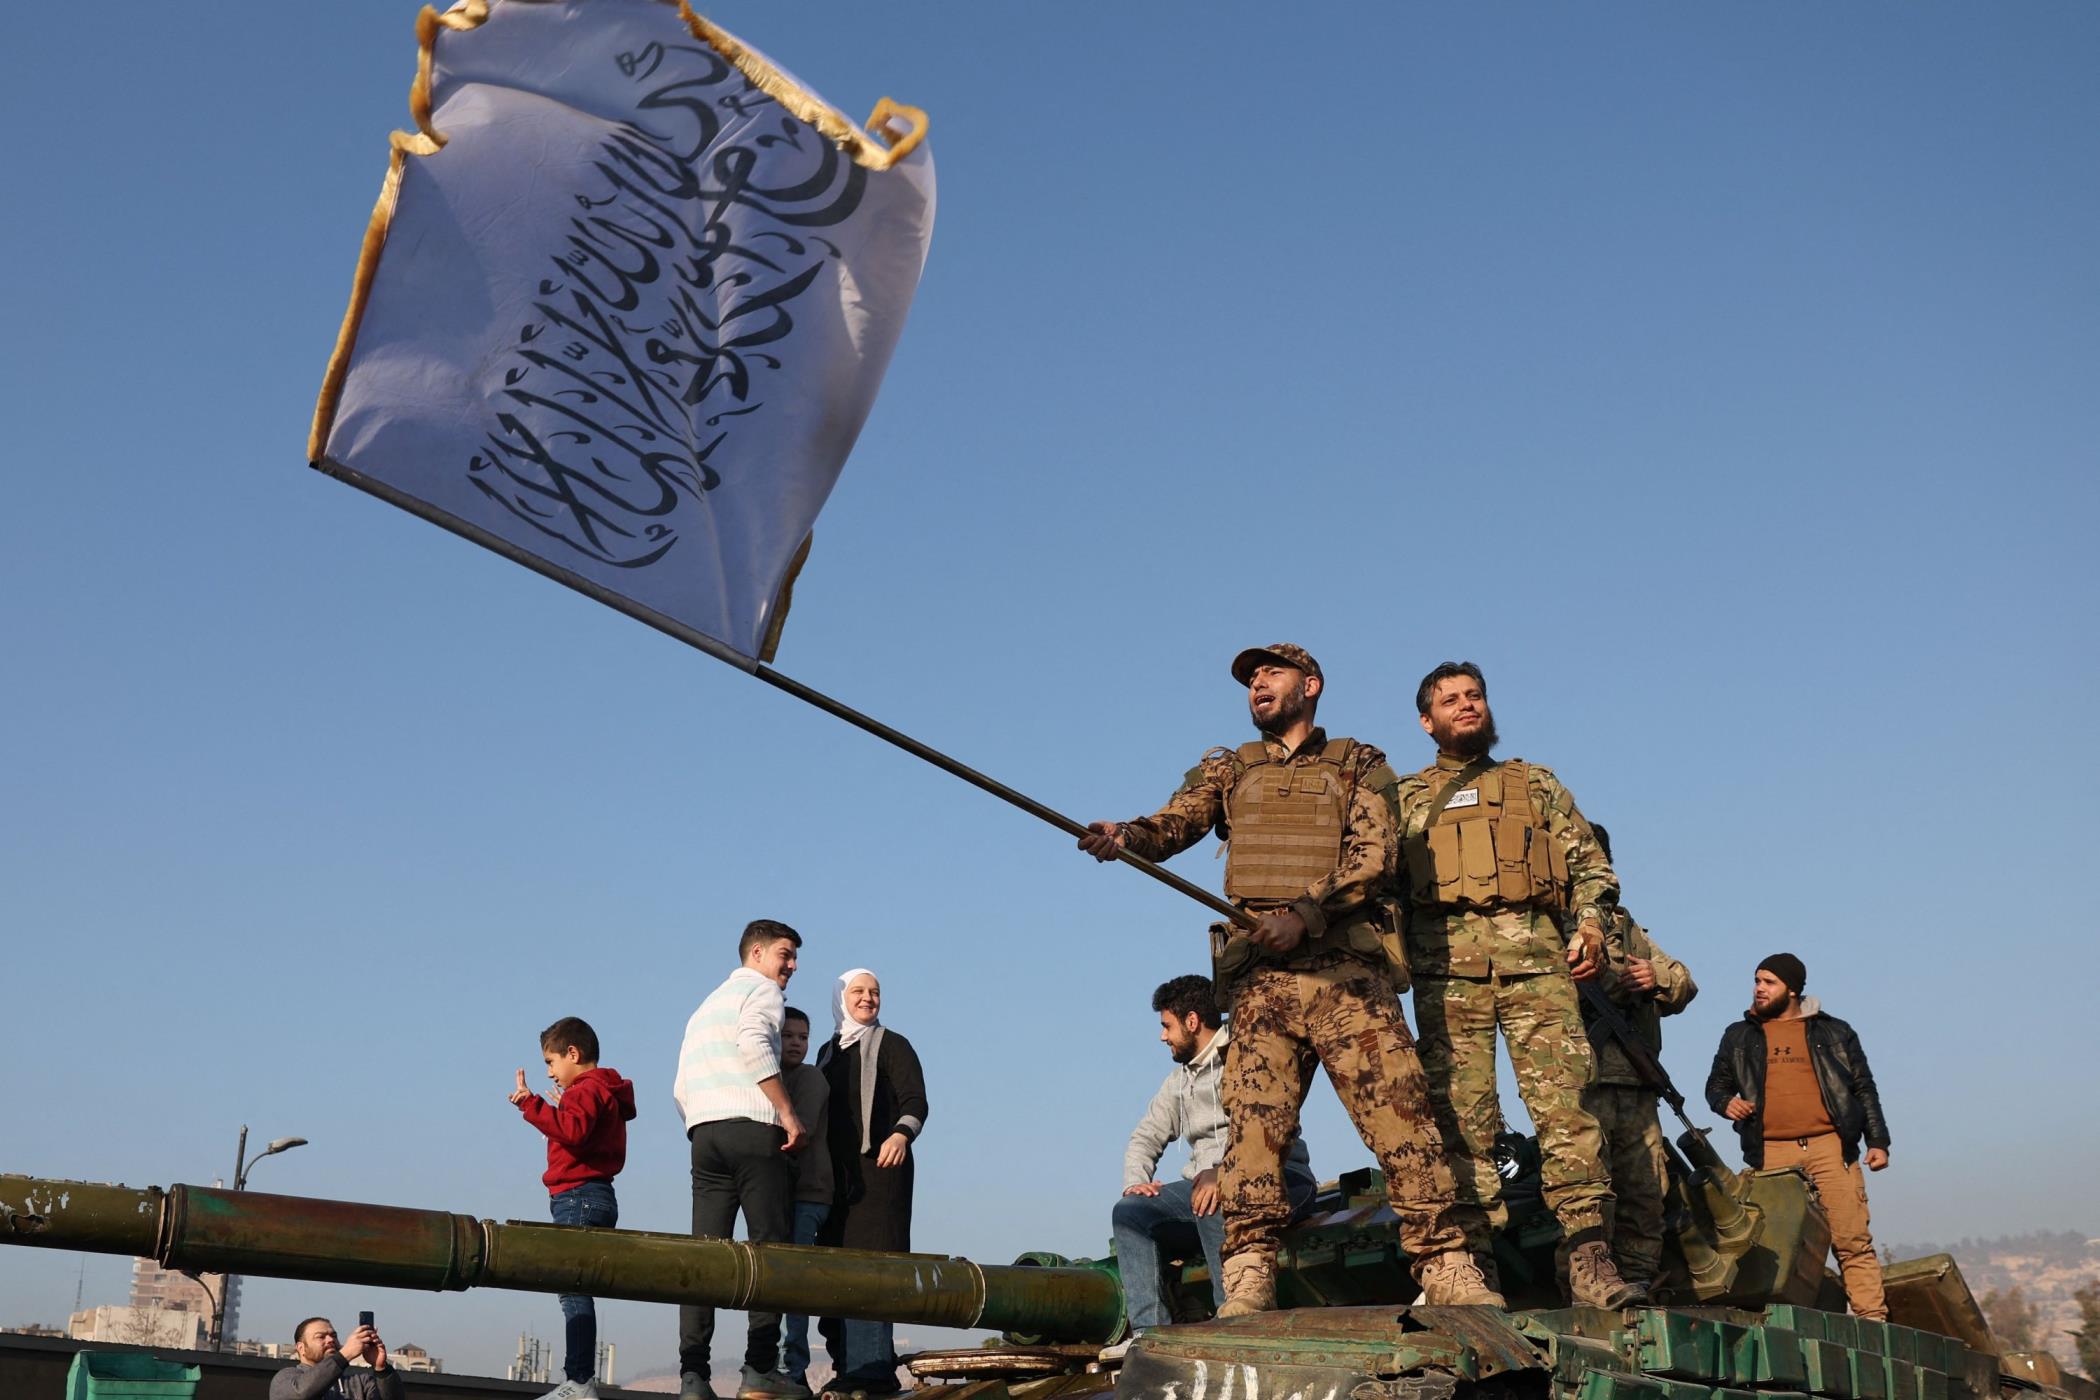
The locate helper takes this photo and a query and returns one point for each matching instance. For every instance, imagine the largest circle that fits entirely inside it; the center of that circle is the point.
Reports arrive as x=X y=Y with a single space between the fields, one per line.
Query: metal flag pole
x=995 y=788
x=700 y=641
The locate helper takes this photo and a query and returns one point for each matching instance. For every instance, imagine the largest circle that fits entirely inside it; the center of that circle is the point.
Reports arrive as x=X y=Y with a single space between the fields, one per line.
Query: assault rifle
x=1654 y=1077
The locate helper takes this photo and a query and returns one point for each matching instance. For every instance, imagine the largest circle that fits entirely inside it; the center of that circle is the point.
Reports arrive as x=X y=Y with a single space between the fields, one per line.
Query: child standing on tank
x=811 y=1095
x=586 y=1129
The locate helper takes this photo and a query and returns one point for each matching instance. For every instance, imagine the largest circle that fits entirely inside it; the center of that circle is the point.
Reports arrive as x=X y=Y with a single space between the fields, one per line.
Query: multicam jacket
x=1443 y=941
x=1370 y=841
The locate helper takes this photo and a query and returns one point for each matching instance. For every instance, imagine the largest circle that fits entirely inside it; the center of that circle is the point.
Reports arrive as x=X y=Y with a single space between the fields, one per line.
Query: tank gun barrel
x=203 y=1229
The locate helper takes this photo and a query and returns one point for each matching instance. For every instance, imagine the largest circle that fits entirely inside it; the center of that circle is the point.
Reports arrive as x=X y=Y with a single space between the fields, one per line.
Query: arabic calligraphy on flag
x=625 y=303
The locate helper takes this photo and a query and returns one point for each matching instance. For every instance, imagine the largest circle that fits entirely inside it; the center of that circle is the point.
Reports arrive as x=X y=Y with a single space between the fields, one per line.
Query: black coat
x=871 y=1207
x=1849 y=1095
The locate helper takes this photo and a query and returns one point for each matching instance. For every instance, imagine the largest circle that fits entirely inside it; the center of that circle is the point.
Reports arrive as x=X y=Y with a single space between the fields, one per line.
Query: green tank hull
x=1747 y=1253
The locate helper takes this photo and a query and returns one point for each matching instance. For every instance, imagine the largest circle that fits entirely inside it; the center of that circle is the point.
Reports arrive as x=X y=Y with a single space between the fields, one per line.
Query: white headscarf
x=850 y=1032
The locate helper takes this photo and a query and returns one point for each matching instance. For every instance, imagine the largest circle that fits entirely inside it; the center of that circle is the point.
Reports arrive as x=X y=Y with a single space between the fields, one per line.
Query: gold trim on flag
x=769 y=644
x=809 y=107
x=423 y=141
x=903 y=125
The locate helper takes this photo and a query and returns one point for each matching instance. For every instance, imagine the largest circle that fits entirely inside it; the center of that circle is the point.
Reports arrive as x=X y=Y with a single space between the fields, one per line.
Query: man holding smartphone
x=324 y=1372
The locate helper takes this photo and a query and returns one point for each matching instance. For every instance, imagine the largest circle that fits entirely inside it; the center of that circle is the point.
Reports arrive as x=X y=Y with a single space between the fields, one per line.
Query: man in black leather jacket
x=1795 y=1083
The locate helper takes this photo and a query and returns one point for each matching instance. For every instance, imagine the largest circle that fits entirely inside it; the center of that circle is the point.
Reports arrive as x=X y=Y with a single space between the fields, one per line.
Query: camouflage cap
x=1282 y=654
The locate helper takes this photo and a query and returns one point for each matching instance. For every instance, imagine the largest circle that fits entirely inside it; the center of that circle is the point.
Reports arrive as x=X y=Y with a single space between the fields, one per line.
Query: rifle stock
x=1644 y=1060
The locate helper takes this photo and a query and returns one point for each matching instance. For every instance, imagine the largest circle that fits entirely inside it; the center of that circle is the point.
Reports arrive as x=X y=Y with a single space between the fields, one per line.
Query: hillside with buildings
x=2047 y=1267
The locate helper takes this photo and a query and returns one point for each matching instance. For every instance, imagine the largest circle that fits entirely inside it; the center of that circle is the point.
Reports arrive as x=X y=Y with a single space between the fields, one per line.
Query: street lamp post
x=241 y=1167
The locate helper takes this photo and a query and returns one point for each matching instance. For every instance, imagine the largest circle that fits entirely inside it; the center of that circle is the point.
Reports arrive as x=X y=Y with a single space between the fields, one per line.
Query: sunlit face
x=1178 y=1034
x=864 y=999
x=794 y=1042
x=316 y=1342
x=1459 y=718
x=564 y=1067
x=1279 y=696
x=1770 y=997
x=774 y=961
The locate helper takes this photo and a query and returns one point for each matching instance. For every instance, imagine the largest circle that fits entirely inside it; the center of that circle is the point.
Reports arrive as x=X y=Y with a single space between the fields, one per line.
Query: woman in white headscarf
x=878 y=1109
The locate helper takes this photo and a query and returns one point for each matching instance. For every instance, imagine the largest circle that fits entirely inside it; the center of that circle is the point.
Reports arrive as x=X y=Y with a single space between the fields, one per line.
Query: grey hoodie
x=1188 y=1107
x=332 y=1377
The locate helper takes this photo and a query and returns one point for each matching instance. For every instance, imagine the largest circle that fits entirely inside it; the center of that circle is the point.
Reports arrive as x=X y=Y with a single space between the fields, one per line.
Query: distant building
x=35 y=1329
x=410 y=1357
x=164 y=1290
x=249 y=1347
x=176 y=1328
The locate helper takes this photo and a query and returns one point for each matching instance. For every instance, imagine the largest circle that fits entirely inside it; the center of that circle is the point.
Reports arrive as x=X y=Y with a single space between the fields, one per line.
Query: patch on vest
x=1469 y=798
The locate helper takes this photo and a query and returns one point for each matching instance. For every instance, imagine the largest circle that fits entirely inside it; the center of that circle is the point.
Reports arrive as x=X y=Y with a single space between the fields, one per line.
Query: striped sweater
x=731 y=1044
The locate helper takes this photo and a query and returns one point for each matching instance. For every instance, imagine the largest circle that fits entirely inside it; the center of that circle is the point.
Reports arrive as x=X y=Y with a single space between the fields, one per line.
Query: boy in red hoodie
x=586 y=1147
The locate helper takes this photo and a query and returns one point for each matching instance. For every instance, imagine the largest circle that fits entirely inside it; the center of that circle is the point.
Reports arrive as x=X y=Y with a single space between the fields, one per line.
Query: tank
x=1753 y=1314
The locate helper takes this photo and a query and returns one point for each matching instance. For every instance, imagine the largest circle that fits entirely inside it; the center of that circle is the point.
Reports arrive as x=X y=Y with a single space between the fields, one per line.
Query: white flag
x=626 y=300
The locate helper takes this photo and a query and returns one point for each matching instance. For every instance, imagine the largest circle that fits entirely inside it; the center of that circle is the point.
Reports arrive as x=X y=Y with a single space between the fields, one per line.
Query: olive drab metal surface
x=1762 y=1317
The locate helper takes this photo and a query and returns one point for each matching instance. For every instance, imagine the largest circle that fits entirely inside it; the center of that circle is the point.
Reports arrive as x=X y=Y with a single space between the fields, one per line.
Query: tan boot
x=1454 y=1278
x=1250 y=1285
x=1593 y=1280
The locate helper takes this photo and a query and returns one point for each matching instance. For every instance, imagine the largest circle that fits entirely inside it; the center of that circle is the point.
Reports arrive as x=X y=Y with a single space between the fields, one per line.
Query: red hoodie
x=587 y=1131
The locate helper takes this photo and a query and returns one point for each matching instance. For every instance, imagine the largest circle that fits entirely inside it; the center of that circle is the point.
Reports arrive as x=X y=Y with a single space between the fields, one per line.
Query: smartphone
x=364 y=1319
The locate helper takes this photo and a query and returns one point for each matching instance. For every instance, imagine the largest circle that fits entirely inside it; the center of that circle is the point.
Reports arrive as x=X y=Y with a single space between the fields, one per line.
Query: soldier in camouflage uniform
x=1648 y=984
x=1500 y=869
x=1313 y=851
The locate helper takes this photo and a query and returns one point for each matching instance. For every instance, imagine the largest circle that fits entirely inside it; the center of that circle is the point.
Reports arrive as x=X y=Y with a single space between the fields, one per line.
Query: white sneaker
x=1120 y=1349
x=573 y=1390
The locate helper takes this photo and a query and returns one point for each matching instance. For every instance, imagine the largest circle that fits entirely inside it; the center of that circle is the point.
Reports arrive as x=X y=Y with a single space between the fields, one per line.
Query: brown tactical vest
x=1287 y=822
x=1488 y=847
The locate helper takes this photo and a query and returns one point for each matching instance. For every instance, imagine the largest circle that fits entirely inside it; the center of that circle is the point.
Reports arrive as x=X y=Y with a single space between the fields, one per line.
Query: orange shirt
x=1793 y=1106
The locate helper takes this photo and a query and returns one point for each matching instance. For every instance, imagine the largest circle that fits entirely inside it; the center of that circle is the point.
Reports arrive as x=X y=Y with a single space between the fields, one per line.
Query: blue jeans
x=794 y=1328
x=589 y=1204
x=1147 y=1225
x=863 y=1354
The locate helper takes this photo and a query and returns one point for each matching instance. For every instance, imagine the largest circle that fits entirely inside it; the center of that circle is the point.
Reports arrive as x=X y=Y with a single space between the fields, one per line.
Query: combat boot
x=1250 y=1285
x=1454 y=1278
x=1593 y=1280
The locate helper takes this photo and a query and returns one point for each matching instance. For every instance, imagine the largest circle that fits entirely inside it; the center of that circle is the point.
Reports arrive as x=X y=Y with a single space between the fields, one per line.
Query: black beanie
x=1788 y=969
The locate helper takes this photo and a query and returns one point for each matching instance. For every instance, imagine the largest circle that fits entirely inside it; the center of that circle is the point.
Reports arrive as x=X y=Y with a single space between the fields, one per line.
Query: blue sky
x=1721 y=379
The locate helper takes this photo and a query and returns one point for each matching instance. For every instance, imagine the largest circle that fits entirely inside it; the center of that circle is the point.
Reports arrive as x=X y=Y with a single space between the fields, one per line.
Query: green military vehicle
x=1752 y=1311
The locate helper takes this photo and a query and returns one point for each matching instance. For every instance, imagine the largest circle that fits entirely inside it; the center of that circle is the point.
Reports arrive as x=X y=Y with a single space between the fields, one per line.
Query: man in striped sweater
x=743 y=1128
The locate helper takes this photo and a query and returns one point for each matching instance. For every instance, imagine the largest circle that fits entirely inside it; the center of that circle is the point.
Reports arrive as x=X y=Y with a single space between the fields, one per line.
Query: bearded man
x=322 y=1370
x=1182 y=1217
x=1510 y=896
x=1313 y=851
x=1795 y=1083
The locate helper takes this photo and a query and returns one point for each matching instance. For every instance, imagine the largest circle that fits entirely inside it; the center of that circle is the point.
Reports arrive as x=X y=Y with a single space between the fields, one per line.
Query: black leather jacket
x=1849 y=1095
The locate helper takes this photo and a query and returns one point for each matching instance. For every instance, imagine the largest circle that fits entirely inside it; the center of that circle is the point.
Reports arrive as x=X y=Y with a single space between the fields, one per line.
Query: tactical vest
x=1287 y=821
x=1488 y=847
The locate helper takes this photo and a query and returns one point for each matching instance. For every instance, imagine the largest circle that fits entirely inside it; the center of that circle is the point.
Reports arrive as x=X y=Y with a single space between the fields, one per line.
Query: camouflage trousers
x=1343 y=1014
x=1633 y=1155
x=1550 y=1053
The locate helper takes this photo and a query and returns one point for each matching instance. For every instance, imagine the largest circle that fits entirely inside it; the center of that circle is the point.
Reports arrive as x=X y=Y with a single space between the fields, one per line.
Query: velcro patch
x=1469 y=798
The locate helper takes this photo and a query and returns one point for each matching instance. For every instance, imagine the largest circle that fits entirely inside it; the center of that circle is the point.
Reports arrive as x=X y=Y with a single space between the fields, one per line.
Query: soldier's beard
x=1289 y=710
x=1480 y=741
